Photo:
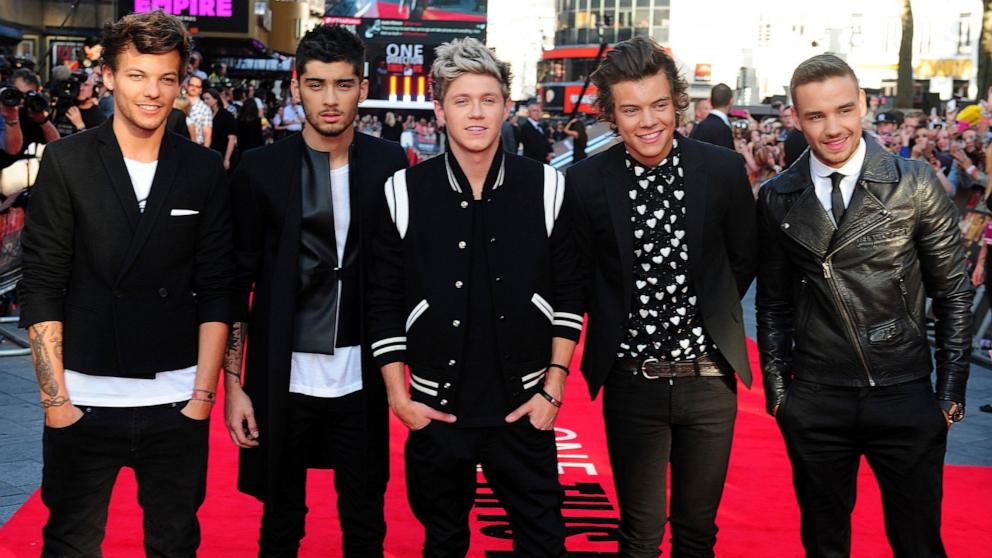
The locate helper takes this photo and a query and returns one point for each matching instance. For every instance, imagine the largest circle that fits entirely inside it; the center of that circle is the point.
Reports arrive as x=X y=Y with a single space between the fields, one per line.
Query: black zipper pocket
x=904 y=294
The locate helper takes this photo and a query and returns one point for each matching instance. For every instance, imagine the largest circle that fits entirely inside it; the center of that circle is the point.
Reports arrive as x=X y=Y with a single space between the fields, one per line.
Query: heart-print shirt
x=664 y=321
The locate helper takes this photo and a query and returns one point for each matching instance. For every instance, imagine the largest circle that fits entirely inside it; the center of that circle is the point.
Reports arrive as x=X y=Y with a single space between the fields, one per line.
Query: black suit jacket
x=712 y=130
x=536 y=145
x=720 y=223
x=267 y=203
x=130 y=288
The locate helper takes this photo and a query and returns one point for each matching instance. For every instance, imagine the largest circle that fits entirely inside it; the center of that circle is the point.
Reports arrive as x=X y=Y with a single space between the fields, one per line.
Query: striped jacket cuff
x=567 y=325
x=388 y=350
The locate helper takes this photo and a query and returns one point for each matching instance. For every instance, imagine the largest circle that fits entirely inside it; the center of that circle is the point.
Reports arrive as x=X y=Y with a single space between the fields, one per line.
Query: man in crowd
x=201 y=119
x=534 y=137
x=126 y=294
x=666 y=225
x=853 y=240
x=794 y=143
x=312 y=396
x=32 y=121
x=701 y=110
x=475 y=289
x=83 y=112
x=715 y=128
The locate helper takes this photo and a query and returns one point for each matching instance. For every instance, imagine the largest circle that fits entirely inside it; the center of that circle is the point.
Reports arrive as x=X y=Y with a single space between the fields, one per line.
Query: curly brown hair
x=633 y=60
x=149 y=33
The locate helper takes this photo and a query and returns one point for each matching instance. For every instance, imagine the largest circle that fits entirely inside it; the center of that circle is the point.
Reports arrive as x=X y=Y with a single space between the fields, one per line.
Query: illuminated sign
x=200 y=16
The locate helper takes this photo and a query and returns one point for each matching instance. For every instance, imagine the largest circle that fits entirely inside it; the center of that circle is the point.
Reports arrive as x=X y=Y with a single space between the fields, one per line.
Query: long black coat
x=267 y=210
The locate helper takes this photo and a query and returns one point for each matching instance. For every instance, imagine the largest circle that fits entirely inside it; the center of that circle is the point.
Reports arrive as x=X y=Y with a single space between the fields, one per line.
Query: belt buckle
x=644 y=363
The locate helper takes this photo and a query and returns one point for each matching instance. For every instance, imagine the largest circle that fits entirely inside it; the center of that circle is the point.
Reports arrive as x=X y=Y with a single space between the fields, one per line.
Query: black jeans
x=520 y=464
x=166 y=449
x=686 y=424
x=337 y=426
x=902 y=433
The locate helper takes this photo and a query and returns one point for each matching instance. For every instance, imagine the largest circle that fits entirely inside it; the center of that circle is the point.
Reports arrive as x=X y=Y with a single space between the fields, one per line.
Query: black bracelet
x=560 y=367
x=551 y=398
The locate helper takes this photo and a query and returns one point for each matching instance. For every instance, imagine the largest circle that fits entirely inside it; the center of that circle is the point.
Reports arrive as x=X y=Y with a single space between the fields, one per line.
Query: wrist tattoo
x=207 y=394
x=234 y=353
x=56 y=401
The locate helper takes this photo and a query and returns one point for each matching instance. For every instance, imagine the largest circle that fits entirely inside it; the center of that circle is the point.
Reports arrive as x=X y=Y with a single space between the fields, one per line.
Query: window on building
x=764 y=34
x=857 y=39
x=964 y=33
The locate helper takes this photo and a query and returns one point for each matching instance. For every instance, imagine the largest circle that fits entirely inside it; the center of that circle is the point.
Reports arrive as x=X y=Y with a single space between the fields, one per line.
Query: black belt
x=653 y=369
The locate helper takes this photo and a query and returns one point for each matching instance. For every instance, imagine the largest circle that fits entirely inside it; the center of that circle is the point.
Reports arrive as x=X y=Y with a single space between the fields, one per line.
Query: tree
x=904 y=85
x=984 y=77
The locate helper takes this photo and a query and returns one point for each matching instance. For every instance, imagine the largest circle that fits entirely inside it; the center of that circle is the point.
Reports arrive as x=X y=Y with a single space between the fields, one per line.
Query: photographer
x=76 y=107
x=32 y=117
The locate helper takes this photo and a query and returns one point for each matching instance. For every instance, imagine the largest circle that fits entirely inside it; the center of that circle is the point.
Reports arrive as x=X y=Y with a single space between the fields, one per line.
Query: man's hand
x=39 y=117
x=62 y=416
x=197 y=410
x=416 y=415
x=75 y=117
x=240 y=418
x=542 y=414
x=227 y=164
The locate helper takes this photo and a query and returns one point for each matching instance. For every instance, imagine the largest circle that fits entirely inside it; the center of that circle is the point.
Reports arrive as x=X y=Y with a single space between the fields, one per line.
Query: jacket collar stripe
x=453 y=182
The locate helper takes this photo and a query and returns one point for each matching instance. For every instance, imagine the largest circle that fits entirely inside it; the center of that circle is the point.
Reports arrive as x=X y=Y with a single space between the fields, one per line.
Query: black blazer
x=712 y=130
x=536 y=145
x=720 y=223
x=130 y=288
x=266 y=194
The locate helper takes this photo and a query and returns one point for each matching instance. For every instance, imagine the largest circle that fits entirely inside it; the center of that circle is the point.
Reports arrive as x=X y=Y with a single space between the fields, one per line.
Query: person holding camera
x=32 y=116
x=75 y=113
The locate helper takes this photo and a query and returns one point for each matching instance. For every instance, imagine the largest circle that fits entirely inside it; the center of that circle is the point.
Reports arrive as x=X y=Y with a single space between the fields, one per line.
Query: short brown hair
x=633 y=60
x=148 y=33
x=819 y=68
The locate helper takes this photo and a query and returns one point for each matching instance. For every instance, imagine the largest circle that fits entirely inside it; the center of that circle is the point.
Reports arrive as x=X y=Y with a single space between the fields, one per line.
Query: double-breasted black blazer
x=130 y=287
x=267 y=203
x=721 y=233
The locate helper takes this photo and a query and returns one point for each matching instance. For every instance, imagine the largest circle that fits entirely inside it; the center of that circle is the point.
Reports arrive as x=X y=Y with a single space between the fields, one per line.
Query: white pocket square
x=176 y=212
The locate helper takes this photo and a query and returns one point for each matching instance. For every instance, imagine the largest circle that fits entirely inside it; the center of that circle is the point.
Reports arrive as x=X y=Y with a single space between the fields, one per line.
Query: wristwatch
x=954 y=410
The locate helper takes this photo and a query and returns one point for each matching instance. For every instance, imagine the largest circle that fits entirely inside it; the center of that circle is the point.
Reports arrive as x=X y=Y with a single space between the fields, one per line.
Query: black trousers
x=520 y=464
x=686 y=424
x=902 y=433
x=337 y=426
x=168 y=453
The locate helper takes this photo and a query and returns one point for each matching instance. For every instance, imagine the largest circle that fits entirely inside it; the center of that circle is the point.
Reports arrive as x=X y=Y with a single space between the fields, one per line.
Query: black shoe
x=985 y=408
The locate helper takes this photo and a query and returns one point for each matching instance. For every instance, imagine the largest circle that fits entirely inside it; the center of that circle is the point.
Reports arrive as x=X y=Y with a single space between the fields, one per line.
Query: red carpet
x=758 y=517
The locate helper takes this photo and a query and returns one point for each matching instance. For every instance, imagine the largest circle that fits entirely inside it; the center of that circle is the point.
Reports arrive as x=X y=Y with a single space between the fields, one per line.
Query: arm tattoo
x=234 y=354
x=43 y=360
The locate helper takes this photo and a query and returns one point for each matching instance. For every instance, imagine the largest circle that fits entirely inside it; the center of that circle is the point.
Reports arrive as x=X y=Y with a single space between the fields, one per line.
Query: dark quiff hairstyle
x=148 y=33
x=331 y=43
x=819 y=68
x=633 y=60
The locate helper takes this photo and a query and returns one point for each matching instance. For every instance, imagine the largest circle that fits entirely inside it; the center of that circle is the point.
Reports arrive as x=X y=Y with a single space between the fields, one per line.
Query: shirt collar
x=853 y=166
x=534 y=123
x=720 y=114
x=458 y=182
x=668 y=164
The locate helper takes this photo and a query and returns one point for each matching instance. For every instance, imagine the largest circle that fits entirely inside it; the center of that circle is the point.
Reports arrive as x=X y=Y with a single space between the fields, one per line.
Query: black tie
x=836 y=197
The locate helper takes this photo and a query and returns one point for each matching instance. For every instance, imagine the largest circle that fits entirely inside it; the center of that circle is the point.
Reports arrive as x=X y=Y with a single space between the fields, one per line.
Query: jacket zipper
x=828 y=274
x=905 y=304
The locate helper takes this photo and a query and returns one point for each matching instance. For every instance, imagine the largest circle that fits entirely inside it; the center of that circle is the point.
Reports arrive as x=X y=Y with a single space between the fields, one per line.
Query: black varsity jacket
x=418 y=303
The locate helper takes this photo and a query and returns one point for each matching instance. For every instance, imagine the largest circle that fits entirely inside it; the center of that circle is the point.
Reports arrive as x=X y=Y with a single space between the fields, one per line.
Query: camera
x=65 y=91
x=36 y=102
x=10 y=96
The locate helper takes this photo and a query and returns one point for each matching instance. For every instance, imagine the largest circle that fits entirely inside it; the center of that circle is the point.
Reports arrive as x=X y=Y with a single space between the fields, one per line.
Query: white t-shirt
x=337 y=375
x=142 y=175
x=109 y=391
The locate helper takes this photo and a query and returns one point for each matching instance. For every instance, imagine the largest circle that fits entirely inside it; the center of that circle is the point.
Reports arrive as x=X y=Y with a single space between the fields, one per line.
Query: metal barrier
x=15 y=336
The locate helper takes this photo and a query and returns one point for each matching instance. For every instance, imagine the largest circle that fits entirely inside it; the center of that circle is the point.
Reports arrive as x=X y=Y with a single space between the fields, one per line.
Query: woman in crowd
x=225 y=134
